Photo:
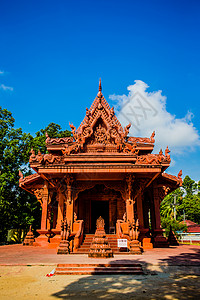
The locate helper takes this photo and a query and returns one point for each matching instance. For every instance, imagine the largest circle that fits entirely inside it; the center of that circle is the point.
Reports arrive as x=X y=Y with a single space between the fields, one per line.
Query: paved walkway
x=183 y=255
x=171 y=273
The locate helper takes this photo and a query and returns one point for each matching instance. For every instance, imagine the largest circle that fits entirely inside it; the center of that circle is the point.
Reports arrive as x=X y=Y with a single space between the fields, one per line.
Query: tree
x=14 y=148
x=18 y=208
x=167 y=205
x=188 y=202
x=189 y=185
x=191 y=206
x=53 y=130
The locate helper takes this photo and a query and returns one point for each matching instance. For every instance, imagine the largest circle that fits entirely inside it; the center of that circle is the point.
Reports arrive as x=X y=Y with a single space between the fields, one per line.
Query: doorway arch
x=100 y=201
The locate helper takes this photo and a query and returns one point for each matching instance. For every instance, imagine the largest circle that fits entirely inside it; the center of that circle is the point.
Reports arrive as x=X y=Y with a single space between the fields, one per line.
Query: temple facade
x=100 y=171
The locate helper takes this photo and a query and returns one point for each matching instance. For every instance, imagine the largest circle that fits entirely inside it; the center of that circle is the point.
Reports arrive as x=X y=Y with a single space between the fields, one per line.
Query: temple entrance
x=99 y=208
x=99 y=201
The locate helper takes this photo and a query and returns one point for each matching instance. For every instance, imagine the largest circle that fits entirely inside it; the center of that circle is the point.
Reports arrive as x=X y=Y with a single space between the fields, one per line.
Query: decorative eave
x=28 y=179
x=178 y=180
x=27 y=182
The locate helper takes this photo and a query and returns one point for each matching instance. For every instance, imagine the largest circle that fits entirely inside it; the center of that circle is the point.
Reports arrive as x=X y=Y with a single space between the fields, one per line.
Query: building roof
x=192 y=226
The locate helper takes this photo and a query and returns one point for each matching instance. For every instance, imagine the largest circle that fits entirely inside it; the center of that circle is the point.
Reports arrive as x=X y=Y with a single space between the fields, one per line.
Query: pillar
x=130 y=209
x=69 y=203
x=140 y=210
x=44 y=207
x=60 y=215
x=42 y=239
x=129 y=201
x=159 y=240
x=157 y=208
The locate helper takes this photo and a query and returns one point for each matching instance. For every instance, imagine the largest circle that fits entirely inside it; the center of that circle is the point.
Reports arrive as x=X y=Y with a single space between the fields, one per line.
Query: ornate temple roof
x=100 y=145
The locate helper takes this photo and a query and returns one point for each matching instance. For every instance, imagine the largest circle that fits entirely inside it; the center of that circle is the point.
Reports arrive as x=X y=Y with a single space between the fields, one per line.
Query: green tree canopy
x=189 y=185
x=187 y=204
x=18 y=208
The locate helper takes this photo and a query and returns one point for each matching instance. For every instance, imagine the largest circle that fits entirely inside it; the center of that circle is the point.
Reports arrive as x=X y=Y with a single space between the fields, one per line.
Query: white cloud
x=6 y=88
x=147 y=112
x=1 y=72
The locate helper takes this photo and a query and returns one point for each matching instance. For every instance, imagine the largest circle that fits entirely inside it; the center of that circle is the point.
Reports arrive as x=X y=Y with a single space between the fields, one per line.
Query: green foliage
x=188 y=203
x=167 y=205
x=18 y=208
x=191 y=206
x=53 y=130
x=189 y=185
x=166 y=223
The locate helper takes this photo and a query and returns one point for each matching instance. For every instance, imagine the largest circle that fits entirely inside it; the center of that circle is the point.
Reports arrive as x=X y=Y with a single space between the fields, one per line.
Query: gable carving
x=100 y=131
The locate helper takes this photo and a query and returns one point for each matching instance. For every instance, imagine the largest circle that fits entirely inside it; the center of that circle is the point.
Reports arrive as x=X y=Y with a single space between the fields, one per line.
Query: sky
x=147 y=53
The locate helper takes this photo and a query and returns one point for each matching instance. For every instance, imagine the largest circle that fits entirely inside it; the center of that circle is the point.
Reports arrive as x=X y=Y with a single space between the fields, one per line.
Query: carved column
x=159 y=240
x=69 y=202
x=60 y=216
x=42 y=196
x=140 y=209
x=44 y=207
x=157 y=208
x=129 y=201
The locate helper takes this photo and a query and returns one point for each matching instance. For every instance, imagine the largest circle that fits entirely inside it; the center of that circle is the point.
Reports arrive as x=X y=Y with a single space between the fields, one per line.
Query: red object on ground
x=51 y=273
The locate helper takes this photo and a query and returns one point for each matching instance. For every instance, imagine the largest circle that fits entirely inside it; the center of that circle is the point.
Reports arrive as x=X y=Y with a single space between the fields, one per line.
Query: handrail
x=119 y=230
x=79 y=235
x=80 y=230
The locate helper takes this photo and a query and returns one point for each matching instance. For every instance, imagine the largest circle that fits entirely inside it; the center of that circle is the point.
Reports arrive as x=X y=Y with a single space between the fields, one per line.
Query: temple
x=100 y=171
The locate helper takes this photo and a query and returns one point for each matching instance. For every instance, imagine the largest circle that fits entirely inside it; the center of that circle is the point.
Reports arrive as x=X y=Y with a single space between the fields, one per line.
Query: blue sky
x=52 y=54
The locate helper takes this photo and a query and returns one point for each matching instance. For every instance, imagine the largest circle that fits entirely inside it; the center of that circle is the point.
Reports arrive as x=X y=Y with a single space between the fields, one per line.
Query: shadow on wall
x=171 y=280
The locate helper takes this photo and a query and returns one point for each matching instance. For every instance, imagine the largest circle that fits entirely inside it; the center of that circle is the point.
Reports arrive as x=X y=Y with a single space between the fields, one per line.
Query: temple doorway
x=99 y=201
x=99 y=208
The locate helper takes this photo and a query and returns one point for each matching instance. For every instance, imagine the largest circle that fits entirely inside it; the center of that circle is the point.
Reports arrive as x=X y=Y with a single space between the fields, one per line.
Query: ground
x=172 y=273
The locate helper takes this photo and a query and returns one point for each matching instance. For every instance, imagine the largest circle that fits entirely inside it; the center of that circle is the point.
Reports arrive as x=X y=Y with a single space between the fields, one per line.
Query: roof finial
x=100 y=89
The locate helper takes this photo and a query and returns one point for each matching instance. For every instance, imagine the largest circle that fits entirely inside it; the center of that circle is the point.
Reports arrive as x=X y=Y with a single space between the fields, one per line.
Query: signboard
x=122 y=243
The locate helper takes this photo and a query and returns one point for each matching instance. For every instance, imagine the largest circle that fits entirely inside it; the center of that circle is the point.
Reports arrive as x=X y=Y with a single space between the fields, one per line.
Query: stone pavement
x=171 y=273
x=183 y=255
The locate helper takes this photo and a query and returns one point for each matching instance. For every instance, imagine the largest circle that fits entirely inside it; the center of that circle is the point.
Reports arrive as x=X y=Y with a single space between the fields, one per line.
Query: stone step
x=98 y=269
x=105 y=265
x=88 y=238
x=88 y=244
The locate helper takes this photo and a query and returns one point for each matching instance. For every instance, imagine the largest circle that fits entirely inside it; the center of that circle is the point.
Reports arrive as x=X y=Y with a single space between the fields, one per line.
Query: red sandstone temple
x=100 y=171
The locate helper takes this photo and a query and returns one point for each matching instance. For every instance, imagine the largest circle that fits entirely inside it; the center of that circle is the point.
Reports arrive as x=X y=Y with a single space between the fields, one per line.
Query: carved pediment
x=100 y=129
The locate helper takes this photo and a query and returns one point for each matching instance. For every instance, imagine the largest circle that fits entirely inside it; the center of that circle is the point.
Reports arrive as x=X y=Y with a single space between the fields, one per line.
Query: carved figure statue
x=39 y=156
x=100 y=223
x=32 y=157
x=47 y=138
x=133 y=229
x=167 y=151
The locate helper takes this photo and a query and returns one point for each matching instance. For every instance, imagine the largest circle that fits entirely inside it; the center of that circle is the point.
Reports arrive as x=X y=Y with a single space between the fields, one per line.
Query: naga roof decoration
x=27 y=178
x=57 y=141
x=178 y=179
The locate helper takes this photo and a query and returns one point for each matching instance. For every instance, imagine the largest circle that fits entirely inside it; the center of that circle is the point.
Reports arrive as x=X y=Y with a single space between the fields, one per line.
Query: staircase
x=85 y=246
x=99 y=269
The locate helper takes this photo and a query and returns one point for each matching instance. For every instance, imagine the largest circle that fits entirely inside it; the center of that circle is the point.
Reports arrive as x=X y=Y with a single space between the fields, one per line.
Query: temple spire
x=100 y=89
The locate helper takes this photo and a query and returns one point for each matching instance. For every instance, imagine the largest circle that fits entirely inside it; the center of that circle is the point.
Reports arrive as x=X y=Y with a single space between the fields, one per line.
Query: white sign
x=122 y=243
